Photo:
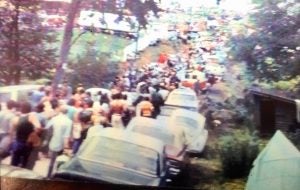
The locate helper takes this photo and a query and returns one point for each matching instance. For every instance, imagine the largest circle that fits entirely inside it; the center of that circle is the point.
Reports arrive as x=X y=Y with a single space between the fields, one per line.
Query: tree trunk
x=66 y=44
x=15 y=70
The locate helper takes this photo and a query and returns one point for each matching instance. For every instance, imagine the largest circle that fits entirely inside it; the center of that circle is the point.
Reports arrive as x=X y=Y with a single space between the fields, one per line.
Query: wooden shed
x=274 y=111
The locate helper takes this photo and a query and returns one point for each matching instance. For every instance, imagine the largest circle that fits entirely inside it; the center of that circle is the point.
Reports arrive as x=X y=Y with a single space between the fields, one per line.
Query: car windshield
x=186 y=122
x=166 y=111
x=166 y=137
x=120 y=154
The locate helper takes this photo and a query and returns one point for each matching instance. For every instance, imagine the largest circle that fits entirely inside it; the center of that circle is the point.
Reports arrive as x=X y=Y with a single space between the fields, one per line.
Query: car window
x=120 y=154
x=167 y=138
x=186 y=122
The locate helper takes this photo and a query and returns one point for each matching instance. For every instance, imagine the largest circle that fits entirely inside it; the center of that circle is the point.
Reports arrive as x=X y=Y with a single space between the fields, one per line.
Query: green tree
x=272 y=49
x=93 y=69
x=23 y=51
x=137 y=8
x=140 y=9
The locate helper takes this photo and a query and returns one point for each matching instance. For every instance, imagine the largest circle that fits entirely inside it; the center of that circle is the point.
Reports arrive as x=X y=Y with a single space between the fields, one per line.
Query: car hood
x=106 y=173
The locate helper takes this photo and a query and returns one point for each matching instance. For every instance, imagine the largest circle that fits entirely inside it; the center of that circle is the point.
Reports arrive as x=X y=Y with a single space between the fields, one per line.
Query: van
x=16 y=93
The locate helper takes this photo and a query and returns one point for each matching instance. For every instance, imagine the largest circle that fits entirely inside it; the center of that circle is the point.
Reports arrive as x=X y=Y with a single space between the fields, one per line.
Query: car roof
x=145 y=121
x=189 y=114
x=183 y=90
x=132 y=137
x=149 y=122
x=19 y=87
x=182 y=102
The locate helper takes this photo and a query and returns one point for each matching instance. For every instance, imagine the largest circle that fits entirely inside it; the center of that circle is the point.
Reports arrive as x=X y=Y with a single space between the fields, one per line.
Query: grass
x=101 y=43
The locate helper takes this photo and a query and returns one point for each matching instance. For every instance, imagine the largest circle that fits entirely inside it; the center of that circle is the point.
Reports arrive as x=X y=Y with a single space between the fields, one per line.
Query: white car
x=183 y=98
x=156 y=129
x=193 y=124
x=118 y=157
x=173 y=139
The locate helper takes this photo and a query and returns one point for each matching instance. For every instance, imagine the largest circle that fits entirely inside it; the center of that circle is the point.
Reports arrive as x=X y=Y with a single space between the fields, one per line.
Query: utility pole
x=66 y=45
x=138 y=36
x=137 y=40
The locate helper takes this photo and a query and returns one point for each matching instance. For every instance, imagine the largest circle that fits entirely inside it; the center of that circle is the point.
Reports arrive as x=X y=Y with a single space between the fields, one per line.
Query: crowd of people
x=52 y=124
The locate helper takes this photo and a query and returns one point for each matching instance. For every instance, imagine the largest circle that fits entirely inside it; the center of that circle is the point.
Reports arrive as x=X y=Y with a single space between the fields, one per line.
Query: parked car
x=166 y=111
x=12 y=171
x=177 y=159
x=183 y=98
x=193 y=124
x=118 y=157
x=192 y=77
x=16 y=93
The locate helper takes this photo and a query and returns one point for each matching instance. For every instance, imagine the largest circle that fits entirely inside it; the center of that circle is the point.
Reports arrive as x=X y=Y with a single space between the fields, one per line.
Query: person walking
x=157 y=101
x=6 y=117
x=61 y=127
x=145 y=108
x=197 y=87
x=25 y=129
x=117 y=107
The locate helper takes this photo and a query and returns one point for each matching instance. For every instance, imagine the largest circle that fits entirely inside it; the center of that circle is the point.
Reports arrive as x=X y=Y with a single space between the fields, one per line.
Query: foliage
x=140 y=9
x=92 y=70
x=238 y=150
x=22 y=46
x=271 y=43
x=292 y=85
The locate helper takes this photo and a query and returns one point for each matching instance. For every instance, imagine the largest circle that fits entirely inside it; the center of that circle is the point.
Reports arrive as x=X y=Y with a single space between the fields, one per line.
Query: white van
x=16 y=93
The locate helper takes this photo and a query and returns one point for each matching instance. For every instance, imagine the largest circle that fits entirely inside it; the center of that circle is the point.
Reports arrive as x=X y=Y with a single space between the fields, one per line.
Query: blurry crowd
x=50 y=124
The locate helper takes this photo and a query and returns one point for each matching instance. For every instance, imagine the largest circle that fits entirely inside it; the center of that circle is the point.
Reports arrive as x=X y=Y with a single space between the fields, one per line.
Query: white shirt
x=62 y=127
x=105 y=107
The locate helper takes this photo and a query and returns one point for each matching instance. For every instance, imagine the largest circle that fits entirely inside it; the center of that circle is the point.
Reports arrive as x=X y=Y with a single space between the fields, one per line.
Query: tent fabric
x=278 y=148
x=298 y=110
x=277 y=167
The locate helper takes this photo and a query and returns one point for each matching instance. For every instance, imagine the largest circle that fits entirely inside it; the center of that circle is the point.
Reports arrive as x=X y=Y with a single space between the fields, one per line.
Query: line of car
x=165 y=141
x=151 y=152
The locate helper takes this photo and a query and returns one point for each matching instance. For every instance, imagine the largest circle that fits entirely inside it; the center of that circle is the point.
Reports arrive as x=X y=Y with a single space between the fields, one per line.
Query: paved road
x=41 y=165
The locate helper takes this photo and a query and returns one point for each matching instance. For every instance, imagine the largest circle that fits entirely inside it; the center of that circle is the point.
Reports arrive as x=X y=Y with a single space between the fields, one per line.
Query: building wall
x=284 y=113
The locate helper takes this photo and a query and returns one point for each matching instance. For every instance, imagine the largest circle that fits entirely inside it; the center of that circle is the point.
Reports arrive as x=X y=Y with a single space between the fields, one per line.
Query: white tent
x=277 y=167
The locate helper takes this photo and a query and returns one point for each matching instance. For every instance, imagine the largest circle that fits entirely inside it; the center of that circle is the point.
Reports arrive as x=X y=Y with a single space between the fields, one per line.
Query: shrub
x=92 y=70
x=238 y=150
